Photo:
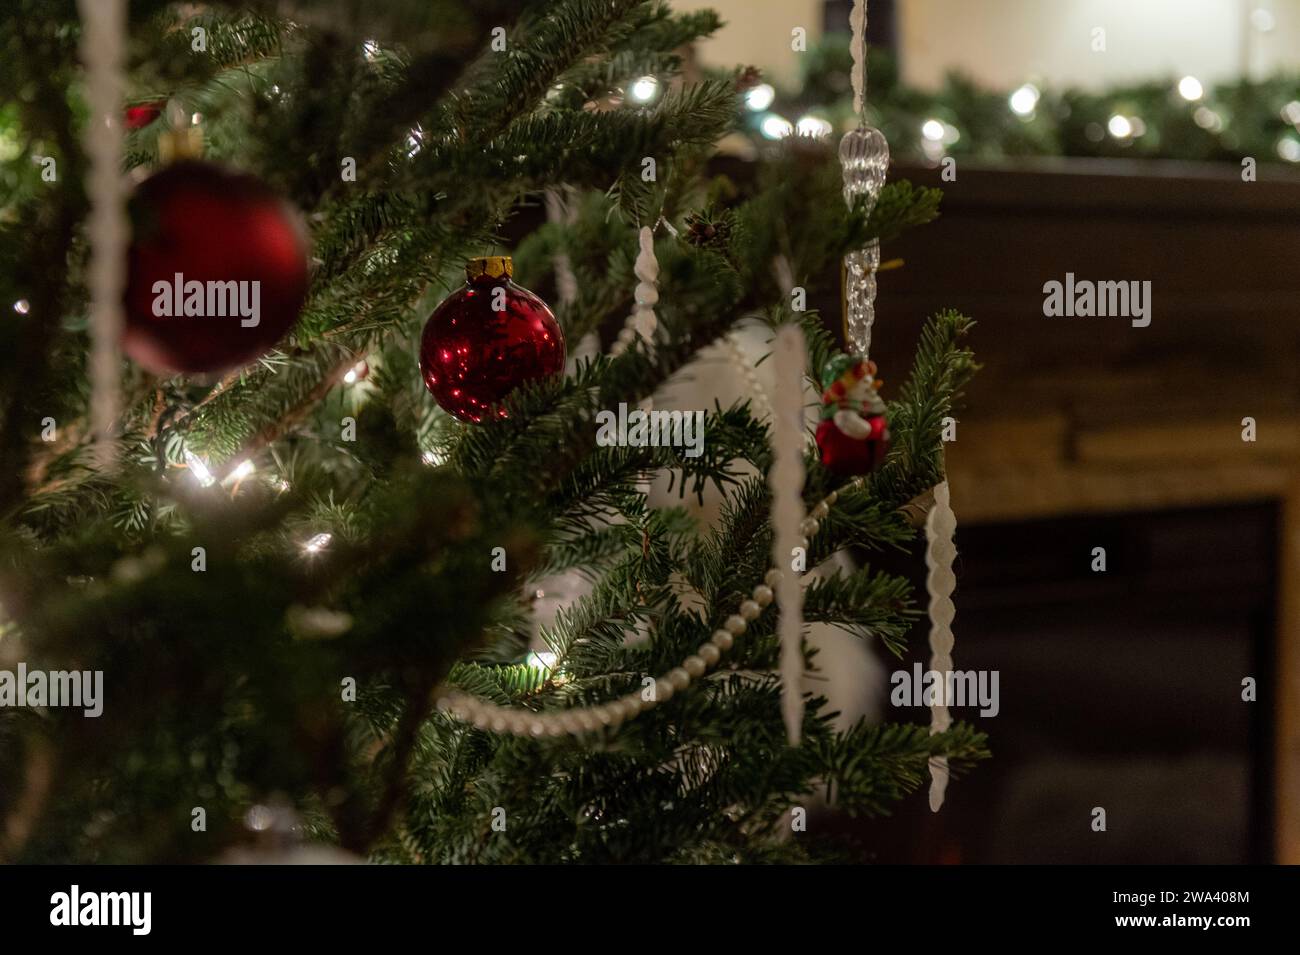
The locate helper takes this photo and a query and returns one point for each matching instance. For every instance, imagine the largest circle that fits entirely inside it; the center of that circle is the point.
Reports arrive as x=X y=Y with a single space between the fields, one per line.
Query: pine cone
x=704 y=231
x=748 y=78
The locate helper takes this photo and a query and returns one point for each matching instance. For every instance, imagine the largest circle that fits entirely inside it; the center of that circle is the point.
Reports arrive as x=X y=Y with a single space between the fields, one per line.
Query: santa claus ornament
x=853 y=436
x=487 y=339
x=217 y=269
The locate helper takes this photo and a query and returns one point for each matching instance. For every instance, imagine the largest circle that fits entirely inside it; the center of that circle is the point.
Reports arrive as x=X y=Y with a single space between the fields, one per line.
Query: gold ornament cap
x=491 y=266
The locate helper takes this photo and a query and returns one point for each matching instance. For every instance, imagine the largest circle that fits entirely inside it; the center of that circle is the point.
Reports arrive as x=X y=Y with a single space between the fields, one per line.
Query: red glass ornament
x=141 y=115
x=850 y=456
x=487 y=339
x=213 y=227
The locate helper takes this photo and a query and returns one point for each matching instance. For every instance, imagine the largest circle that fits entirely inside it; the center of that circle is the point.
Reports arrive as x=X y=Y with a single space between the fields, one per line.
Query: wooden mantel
x=1075 y=416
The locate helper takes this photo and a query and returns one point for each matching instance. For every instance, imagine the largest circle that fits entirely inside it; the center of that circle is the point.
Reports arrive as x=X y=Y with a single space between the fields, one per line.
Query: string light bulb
x=199 y=468
x=813 y=127
x=760 y=98
x=644 y=89
x=318 y=543
x=1190 y=89
x=776 y=127
x=1024 y=100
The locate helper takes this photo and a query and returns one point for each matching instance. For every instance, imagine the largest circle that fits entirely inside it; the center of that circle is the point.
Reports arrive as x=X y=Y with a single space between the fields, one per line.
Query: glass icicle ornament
x=864 y=158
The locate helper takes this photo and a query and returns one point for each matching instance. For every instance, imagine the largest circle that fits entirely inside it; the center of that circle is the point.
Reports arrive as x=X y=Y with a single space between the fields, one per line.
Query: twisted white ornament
x=789 y=525
x=940 y=552
x=103 y=40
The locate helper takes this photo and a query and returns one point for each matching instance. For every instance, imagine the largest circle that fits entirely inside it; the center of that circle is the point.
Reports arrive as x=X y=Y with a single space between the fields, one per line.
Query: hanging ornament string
x=864 y=157
x=786 y=479
x=941 y=551
x=103 y=39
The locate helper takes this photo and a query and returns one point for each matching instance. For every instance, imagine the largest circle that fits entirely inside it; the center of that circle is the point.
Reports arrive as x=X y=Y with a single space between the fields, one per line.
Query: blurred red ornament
x=486 y=340
x=217 y=270
x=853 y=456
x=142 y=114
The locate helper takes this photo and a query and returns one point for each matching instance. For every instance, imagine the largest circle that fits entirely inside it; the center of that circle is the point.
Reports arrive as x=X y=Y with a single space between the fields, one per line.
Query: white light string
x=786 y=479
x=103 y=39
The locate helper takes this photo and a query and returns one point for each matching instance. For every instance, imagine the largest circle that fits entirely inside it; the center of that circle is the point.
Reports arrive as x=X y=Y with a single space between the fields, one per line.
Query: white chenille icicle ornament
x=789 y=527
x=940 y=552
x=103 y=45
x=642 y=323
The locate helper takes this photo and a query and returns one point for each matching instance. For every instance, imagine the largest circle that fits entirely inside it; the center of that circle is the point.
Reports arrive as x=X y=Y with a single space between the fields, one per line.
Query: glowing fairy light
x=1208 y=119
x=22 y=306
x=760 y=98
x=244 y=470
x=318 y=543
x=1024 y=100
x=813 y=126
x=1190 y=89
x=644 y=89
x=199 y=468
x=776 y=127
x=1121 y=127
x=932 y=129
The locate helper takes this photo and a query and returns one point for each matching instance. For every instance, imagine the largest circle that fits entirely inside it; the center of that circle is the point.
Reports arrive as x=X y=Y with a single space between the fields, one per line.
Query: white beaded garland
x=516 y=722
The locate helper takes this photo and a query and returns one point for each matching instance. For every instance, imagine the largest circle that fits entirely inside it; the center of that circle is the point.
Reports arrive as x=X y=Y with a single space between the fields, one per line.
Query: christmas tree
x=307 y=585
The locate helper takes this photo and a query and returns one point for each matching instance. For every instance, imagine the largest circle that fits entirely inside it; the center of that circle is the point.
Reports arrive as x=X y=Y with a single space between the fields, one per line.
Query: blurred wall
x=757 y=33
x=1004 y=42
